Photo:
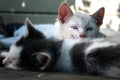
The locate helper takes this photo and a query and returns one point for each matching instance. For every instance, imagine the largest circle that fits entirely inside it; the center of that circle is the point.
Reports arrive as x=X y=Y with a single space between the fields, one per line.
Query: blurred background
x=45 y=11
x=112 y=11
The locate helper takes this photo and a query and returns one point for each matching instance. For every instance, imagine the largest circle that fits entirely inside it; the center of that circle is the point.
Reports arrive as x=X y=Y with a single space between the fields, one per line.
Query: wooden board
x=39 y=11
x=35 y=18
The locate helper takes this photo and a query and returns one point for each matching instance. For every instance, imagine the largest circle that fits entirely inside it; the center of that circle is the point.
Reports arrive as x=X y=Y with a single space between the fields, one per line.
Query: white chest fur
x=64 y=62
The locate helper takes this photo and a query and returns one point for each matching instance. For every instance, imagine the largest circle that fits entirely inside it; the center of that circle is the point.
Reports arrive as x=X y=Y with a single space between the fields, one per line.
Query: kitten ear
x=42 y=60
x=32 y=32
x=64 y=12
x=99 y=15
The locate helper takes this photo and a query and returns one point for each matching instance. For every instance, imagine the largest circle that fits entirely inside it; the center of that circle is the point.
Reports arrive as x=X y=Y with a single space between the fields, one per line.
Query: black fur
x=104 y=58
x=33 y=33
x=98 y=61
x=36 y=42
x=50 y=47
x=1 y=64
x=78 y=57
x=32 y=46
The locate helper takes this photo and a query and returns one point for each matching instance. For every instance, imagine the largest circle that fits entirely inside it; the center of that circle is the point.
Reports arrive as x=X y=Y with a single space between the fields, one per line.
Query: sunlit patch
x=23 y=4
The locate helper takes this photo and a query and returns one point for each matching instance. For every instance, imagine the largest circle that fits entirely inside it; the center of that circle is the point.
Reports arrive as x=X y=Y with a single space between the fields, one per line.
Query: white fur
x=64 y=62
x=13 y=57
x=82 y=21
x=98 y=44
x=60 y=31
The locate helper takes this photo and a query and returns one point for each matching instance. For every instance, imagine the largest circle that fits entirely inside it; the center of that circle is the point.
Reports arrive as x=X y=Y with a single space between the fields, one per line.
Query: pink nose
x=82 y=35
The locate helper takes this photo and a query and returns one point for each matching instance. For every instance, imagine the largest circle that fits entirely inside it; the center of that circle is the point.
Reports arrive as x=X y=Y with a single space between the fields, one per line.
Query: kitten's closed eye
x=74 y=27
x=89 y=29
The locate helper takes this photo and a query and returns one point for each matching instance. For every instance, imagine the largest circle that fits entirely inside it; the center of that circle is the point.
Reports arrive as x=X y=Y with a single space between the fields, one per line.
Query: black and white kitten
x=35 y=52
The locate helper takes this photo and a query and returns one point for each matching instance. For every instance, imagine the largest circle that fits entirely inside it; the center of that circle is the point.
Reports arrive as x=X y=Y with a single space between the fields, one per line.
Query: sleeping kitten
x=35 y=52
x=78 y=25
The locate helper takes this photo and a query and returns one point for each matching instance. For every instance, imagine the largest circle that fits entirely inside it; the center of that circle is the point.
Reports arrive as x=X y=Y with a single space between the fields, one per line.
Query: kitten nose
x=82 y=35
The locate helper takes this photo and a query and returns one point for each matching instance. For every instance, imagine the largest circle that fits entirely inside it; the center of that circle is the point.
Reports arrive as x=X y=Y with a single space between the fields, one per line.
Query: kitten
x=35 y=52
x=78 y=25
x=73 y=25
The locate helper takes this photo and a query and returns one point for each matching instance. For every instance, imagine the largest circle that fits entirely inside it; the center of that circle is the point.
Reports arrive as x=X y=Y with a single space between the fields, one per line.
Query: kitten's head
x=25 y=52
x=77 y=25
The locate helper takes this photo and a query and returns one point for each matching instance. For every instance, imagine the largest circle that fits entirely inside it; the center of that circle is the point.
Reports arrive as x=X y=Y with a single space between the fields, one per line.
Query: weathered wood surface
x=30 y=75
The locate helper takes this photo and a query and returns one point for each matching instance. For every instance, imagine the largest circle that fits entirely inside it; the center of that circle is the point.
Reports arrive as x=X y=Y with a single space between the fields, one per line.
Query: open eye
x=74 y=27
x=89 y=29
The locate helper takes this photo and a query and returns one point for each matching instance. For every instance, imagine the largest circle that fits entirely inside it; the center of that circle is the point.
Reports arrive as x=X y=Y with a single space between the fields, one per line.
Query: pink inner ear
x=64 y=12
x=99 y=15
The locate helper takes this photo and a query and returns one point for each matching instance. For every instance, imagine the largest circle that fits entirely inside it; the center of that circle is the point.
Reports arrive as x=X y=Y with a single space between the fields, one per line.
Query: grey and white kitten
x=79 y=25
x=94 y=57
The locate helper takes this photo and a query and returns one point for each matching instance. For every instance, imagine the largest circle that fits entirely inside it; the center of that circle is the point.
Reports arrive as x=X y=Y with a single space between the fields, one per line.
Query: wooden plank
x=35 y=18
x=45 y=6
x=6 y=74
